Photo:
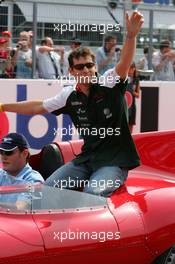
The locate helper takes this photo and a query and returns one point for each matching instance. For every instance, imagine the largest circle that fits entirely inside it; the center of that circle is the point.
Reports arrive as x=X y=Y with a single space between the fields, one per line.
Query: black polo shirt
x=101 y=121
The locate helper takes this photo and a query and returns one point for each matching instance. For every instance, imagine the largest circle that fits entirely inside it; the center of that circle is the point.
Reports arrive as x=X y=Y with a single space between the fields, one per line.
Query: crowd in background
x=52 y=61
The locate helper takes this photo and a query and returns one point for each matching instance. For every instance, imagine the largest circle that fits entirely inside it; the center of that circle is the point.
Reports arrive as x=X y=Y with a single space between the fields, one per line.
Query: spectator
x=132 y=92
x=24 y=36
x=48 y=60
x=5 y=60
x=22 y=58
x=108 y=55
x=9 y=70
x=24 y=54
x=142 y=64
x=7 y=35
x=163 y=61
x=75 y=43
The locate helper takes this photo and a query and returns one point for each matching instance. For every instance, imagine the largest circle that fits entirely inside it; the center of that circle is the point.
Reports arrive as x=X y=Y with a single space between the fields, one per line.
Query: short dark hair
x=80 y=52
x=164 y=44
x=44 y=41
x=21 y=149
x=76 y=41
x=108 y=37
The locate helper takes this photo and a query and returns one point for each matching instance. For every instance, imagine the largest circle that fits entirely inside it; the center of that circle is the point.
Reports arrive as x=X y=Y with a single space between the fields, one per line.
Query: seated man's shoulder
x=31 y=175
x=2 y=172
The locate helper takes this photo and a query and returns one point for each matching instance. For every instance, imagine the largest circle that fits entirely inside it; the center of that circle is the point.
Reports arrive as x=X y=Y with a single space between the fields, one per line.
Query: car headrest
x=51 y=159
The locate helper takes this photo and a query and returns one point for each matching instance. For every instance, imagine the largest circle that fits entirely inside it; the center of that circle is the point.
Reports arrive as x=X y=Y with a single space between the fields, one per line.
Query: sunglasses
x=7 y=153
x=81 y=66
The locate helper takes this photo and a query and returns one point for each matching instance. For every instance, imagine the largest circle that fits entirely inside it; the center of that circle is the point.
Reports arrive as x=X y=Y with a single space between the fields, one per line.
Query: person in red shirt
x=8 y=48
x=3 y=57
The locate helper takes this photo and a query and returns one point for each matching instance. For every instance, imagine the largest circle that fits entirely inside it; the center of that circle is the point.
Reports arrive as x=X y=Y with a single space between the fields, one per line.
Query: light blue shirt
x=23 y=71
x=101 y=55
x=27 y=174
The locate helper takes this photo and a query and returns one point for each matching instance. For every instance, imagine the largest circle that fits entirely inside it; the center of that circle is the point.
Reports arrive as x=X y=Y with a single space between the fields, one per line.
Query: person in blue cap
x=14 y=152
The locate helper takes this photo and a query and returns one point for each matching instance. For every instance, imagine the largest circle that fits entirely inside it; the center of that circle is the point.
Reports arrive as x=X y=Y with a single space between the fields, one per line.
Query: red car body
x=135 y=225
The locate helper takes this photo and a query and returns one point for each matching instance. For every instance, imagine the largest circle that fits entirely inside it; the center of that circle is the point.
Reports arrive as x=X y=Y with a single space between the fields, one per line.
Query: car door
x=76 y=227
x=20 y=239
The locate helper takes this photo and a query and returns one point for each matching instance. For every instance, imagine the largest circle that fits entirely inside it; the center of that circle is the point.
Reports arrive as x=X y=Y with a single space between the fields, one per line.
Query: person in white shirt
x=142 y=64
x=108 y=55
x=163 y=61
x=49 y=59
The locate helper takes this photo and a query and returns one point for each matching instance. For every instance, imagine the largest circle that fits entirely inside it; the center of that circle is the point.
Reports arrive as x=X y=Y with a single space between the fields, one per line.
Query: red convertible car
x=135 y=225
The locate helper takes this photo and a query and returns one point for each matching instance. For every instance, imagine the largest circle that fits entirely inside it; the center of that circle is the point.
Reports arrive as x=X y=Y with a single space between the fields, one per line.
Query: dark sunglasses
x=81 y=66
x=7 y=153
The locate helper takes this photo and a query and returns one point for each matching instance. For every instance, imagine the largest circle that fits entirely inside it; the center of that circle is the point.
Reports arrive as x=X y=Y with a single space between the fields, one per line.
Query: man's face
x=74 y=45
x=24 y=38
x=6 y=37
x=14 y=162
x=49 y=42
x=110 y=44
x=165 y=50
x=83 y=69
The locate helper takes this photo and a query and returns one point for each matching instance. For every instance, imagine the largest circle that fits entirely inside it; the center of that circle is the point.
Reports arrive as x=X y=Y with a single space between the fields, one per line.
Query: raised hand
x=134 y=23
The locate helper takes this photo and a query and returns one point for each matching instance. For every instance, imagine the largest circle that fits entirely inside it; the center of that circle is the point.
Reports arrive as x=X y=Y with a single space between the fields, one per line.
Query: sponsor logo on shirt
x=81 y=111
x=107 y=113
x=76 y=103
x=81 y=118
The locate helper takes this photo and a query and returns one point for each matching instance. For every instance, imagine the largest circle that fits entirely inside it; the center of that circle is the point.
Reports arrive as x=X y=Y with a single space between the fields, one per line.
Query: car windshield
x=41 y=197
x=15 y=197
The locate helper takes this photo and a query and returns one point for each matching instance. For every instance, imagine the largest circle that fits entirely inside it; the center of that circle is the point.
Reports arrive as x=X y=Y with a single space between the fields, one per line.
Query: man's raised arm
x=133 y=26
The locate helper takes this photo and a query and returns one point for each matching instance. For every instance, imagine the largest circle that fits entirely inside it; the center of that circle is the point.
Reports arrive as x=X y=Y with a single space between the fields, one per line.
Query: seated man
x=98 y=111
x=14 y=151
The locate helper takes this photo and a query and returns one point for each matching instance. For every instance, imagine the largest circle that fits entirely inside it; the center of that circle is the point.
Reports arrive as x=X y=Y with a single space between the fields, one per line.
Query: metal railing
x=42 y=17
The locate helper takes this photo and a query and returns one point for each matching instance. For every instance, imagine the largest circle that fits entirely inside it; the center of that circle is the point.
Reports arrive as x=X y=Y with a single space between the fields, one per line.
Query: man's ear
x=71 y=70
x=26 y=152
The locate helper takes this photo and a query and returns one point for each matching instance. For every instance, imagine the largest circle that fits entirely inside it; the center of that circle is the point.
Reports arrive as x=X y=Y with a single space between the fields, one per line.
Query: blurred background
x=31 y=15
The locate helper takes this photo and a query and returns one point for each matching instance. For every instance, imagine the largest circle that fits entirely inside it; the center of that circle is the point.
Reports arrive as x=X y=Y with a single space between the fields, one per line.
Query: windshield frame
x=79 y=201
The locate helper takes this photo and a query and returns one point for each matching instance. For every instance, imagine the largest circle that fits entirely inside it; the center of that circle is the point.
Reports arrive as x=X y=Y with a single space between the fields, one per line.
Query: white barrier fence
x=155 y=110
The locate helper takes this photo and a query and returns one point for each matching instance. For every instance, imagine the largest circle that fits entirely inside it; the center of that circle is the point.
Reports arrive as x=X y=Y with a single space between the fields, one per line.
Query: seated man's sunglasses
x=7 y=153
x=81 y=66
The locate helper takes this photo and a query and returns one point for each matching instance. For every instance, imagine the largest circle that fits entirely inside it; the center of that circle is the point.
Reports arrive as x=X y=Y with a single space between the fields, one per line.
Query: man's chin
x=6 y=167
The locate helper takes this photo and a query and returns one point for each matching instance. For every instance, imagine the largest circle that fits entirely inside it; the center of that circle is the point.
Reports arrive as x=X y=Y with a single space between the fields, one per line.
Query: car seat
x=51 y=159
